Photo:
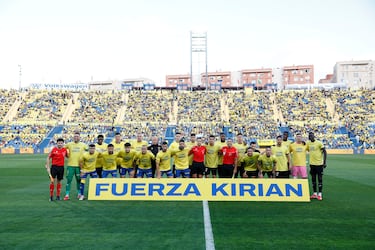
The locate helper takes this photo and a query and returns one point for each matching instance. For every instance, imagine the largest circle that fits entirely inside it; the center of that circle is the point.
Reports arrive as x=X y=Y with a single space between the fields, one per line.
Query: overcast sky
x=73 y=41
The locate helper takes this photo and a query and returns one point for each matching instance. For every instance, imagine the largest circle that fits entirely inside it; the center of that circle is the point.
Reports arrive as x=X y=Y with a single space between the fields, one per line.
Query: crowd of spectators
x=307 y=106
x=199 y=106
x=43 y=107
x=100 y=107
x=356 y=109
x=199 y=112
x=23 y=135
x=7 y=99
x=252 y=114
x=149 y=106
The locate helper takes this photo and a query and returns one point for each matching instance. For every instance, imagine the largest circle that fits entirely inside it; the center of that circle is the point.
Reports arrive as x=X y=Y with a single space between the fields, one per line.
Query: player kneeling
x=109 y=162
x=87 y=164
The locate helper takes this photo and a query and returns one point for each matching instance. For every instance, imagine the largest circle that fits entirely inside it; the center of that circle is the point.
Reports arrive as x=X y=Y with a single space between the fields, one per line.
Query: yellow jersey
x=126 y=159
x=316 y=153
x=144 y=160
x=101 y=148
x=76 y=149
x=212 y=156
x=164 y=160
x=286 y=143
x=137 y=146
x=181 y=158
x=298 y=152
x=189 y=145
x=174 y=146
x=108 y=161
x=220 y=145
x=281 y=152
x=250 y=163
x=241 y=149
x=267 y=163
x=89 y=161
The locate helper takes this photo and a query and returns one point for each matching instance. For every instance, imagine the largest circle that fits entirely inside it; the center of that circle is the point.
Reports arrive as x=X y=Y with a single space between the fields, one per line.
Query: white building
x=355 y=74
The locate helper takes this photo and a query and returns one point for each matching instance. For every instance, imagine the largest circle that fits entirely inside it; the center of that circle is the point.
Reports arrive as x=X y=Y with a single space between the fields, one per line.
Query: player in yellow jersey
x=75 y=149
x=173 y=147
x=118 y=145
x=211 y=157
x=282 y=157
x=267 y=164
x=101 y=147
x=137 y=145
x=108 y=159
x=127 y=161
x=163 y=162
x=87 y=163
x=285 y=142
x=250 y=163
x=298 y=151
x=318 y=161
x=181 y=160
x=144 y=162
x=241 y=147
x=222 y=143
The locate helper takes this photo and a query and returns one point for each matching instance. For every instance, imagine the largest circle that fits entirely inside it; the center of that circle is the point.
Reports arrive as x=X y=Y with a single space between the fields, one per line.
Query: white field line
x=210 y=244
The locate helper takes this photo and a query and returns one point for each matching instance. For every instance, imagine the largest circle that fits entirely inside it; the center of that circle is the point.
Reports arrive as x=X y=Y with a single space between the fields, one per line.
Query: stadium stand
x=342 y=119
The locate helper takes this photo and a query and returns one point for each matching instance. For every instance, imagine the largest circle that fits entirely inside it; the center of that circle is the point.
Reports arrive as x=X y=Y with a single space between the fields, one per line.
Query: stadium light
x=19 y=84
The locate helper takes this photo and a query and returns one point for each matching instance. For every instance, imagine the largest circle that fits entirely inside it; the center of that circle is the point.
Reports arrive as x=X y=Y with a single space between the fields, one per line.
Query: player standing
x=211 y=157
x=118 y=145
x=75 y=149
x=101 y=147
x=181 y=160
x=56 y=171
x=241 y=147
x=163 y=162
x=282 y=157
x=189 y=145
x=230 y=157
x=154 y=148
x=285 y=142
x=198 y=152
x=173 y=147
x=137 y=147
x=318 y=161
x=298 y=151
x=222 y=143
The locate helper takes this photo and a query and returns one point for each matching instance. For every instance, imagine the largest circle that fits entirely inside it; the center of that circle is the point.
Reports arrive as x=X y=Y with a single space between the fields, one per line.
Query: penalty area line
x=209 y=237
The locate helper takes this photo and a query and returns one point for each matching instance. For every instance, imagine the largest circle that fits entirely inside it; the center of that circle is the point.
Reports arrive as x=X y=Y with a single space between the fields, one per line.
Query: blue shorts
x=105 y=173
x=123 y=171
x=93 y=174
x=147 y=172
x=185 y=173
x=167 y=172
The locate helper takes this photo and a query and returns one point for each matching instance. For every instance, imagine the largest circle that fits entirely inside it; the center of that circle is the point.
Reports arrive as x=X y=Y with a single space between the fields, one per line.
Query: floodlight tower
x=198 y=55
x=19 y=84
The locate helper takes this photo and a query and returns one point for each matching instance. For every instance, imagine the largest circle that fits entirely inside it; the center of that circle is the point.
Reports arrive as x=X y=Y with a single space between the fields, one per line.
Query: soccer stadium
x=33 y=120
x=187 y=125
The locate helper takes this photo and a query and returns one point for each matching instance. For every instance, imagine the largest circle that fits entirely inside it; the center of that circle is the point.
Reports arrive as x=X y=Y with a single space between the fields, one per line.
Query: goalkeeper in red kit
x=56 y=171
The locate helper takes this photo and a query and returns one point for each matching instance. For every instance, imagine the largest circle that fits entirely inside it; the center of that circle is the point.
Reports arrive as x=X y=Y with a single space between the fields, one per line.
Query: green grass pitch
x=345 y=219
